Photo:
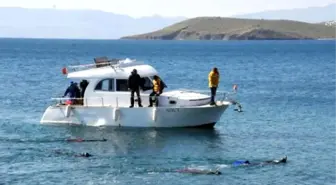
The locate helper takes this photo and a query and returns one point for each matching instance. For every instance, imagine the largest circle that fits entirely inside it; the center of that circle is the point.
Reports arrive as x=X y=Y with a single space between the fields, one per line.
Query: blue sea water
x=286 y=88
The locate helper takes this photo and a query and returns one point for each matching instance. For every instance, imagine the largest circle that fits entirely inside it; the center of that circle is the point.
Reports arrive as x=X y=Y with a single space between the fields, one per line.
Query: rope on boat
x=238 y=105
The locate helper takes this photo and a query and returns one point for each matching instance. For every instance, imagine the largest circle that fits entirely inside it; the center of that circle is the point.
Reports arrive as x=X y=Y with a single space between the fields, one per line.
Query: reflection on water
x=135 y=140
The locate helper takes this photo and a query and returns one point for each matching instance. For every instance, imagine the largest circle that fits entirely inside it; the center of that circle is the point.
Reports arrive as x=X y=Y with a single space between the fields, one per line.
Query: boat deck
x=219 y=103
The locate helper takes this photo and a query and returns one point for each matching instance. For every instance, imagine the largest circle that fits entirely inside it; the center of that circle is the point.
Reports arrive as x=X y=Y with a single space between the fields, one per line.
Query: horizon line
x=163 y=16
x=97 y=10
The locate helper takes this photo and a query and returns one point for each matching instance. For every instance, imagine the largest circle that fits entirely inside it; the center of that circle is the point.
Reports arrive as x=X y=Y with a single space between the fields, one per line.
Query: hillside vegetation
x=217 y=28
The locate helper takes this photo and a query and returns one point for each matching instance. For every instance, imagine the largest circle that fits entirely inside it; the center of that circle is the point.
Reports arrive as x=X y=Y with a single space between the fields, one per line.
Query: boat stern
x=57 y=114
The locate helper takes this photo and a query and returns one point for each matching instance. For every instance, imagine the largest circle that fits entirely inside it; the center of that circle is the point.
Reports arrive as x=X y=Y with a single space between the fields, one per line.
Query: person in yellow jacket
x=213 y=83
x=156 y=90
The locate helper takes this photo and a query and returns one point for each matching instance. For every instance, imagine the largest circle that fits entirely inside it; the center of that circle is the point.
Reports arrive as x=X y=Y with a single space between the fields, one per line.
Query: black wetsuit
x=198 y=171
x=134 y=84
x=86 y=140
x=247 y=163
x=73 y=154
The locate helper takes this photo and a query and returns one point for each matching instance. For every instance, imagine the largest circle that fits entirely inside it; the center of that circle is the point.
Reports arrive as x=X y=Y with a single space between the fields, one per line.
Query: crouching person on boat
x=134 y=83
x=158 y=86
x=77 y=94
x=213 y=78
x=71 y=93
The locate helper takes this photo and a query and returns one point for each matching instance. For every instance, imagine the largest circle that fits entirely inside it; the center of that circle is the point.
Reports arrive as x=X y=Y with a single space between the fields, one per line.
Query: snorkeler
x=72 y=154
x=197 y=171
x=247 y=163
x=83 y=155
x=282 y=160
x=86 y=140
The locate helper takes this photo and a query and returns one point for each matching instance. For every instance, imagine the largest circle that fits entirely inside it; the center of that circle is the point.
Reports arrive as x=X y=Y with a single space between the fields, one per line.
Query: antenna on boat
x=113 y=68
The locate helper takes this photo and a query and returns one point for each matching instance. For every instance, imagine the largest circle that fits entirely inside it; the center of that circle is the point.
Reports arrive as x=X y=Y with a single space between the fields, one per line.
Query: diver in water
x=247 y=163
x=83 y=155
x=198 y=171
x=72 y=154
x=86 y=140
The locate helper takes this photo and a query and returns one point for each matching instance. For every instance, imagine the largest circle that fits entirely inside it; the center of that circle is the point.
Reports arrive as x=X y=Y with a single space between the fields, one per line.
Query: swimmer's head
x=284 y=159
x=86 y=154
x=218 y=172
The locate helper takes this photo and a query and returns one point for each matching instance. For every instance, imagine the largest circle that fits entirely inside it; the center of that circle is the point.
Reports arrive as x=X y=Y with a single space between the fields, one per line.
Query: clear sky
x=187 y=8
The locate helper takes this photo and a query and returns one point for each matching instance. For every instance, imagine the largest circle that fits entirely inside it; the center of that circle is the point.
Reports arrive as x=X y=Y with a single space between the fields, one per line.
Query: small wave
x=223 y=166
x=152 y=173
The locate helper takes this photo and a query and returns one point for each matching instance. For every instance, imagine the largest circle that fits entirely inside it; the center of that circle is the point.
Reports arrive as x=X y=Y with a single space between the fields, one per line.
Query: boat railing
x=101 y=101
x=220 y=95
x=79 y=101
x=113 y=63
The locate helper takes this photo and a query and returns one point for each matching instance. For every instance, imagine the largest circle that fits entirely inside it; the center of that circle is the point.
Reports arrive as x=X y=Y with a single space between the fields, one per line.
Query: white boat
x=106 y=100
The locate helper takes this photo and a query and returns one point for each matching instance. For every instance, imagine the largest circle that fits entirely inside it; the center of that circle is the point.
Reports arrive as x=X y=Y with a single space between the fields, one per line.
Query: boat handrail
x=83 y=99
x=114 y=63
x=220 y=95
x=91 y=66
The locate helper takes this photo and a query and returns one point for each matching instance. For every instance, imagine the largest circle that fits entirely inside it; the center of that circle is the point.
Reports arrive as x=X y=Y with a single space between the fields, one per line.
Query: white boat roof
x=119 y=70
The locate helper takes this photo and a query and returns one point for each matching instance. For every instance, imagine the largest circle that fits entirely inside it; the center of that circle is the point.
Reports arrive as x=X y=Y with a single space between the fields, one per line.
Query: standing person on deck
x=83 y=85
x=213 y=78
x=134 y=84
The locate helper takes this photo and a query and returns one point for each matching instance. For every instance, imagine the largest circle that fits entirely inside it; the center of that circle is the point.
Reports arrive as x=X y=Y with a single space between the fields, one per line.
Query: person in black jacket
x=77 y=90
x=71 y=92
x=83 y=84
x=134 y=84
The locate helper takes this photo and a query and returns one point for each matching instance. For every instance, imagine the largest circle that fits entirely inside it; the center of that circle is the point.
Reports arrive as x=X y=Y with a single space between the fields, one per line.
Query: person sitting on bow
x=157 y=90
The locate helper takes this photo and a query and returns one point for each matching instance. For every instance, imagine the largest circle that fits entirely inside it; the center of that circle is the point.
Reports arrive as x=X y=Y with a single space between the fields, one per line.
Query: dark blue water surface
x=287 y=89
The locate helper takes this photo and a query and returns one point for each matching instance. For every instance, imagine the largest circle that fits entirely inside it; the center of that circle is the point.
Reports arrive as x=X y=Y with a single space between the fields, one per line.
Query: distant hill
x=311 y=14
x=55 y=23
x=217 y=28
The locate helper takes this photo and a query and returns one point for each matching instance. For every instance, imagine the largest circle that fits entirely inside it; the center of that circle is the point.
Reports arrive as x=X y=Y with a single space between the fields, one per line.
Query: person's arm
x=66 y=92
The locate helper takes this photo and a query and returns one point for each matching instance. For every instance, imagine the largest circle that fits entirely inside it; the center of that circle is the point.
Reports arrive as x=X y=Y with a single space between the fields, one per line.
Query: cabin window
x=105 y=85
x=147 y=83
x=122 y=85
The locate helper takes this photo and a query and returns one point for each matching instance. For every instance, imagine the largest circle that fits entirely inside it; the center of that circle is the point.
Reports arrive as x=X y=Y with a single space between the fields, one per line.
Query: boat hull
x=200 y=116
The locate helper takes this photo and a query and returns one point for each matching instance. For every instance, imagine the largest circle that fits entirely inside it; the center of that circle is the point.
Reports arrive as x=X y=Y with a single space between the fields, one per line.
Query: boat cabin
x=107 y=85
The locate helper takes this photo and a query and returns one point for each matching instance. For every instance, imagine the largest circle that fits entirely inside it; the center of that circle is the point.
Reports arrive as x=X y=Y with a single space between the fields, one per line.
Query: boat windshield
x=147 y=83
